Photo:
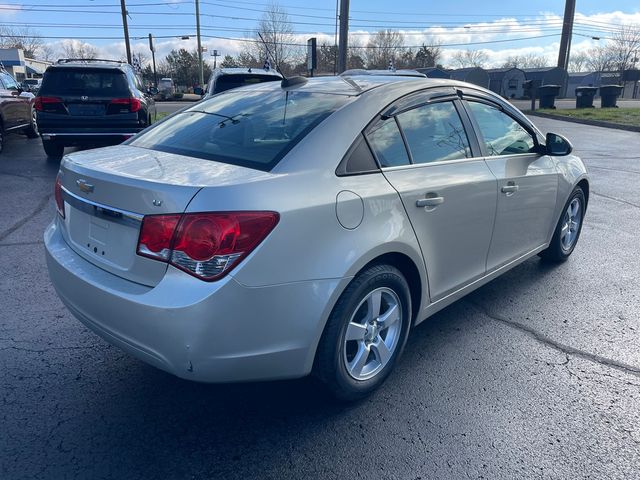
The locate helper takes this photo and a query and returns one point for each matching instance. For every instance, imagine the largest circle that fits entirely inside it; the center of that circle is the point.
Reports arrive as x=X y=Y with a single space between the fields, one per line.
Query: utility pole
x=201 y=65
x=344 y=35
x=153 y=56
x=123 y=7
x=567 y=31
x=215 y=56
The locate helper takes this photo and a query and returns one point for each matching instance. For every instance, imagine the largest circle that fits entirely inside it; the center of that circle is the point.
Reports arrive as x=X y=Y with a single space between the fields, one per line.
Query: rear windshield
x=249 y=128
x=84 y=81
x=227 y=82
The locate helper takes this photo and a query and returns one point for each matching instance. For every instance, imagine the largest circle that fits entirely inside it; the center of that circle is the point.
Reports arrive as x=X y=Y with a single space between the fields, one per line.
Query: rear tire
x=567 y=232
x=32 y=130
x=365 y=333
x=54 y=150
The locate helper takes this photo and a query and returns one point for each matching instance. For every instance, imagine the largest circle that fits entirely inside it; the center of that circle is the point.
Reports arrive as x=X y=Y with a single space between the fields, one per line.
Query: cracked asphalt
x=535 y=375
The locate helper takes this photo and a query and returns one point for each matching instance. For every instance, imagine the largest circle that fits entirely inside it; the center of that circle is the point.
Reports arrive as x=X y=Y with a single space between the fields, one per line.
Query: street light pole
x=123 y=7
x=344 y=36
x=153 y=56
x=200 y=63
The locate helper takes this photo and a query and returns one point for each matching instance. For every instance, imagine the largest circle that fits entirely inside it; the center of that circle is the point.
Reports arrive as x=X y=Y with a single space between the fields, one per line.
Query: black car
x=91 y=102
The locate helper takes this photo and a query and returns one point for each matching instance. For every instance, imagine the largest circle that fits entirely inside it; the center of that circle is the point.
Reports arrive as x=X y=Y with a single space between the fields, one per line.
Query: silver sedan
x=279 y=230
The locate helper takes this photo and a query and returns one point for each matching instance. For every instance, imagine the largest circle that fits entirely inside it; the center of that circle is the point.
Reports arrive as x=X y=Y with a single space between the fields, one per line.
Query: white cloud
x=546 y=24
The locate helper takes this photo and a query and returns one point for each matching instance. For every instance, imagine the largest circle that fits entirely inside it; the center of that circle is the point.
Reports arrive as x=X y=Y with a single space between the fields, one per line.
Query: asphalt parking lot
x=535 y=375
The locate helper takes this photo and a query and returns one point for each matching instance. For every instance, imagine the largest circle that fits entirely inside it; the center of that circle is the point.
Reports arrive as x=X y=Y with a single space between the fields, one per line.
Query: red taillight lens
x=133 y=104
x=156 y=235
x=57 y=192
x=206 y=245
x=40 y=103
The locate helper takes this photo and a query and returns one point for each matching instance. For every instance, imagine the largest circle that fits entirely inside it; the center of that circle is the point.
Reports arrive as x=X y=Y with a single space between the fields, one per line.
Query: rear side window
x=227 y=82
x=434 y=133
x=248 y=128
x=502 y=134
x=387 y=144
x=85 y=81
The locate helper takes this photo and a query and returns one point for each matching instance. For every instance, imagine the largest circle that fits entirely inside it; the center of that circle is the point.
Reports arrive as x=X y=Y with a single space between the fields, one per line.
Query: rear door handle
x=429 y=202
x=510 y=188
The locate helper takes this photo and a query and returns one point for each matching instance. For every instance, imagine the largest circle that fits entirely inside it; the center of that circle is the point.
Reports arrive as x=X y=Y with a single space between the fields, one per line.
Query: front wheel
x=567 y=232
x=365 y=333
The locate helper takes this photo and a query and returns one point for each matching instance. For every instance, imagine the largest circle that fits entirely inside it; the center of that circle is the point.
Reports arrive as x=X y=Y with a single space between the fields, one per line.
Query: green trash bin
x=548 y=94
x=584 y=96
x=609 y=95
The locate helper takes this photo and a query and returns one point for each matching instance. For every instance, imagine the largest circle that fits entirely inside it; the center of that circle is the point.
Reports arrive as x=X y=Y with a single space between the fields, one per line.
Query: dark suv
x=91 y=102
x=16 y=109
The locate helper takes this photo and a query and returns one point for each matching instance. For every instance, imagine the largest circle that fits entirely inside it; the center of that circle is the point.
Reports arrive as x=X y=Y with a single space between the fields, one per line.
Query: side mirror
x=25 y=87
x=198 y=91
x=557 y=145
x=152 y=91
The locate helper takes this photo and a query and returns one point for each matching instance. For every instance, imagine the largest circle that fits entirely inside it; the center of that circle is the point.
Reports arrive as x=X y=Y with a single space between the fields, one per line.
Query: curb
x=595 y=123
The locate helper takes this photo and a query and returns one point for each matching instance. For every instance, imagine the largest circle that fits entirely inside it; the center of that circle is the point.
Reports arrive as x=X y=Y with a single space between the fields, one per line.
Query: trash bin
x=548 y=94
x=609 y=95
x=584 y=96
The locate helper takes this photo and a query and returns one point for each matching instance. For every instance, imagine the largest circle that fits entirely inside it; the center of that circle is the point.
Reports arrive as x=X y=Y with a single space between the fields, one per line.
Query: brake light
x=40 y=102
x=205 y=245
x=57 y=193
x=133 y=104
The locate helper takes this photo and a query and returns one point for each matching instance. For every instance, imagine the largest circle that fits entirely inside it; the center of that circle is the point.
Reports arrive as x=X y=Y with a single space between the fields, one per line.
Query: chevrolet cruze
x=294 y=228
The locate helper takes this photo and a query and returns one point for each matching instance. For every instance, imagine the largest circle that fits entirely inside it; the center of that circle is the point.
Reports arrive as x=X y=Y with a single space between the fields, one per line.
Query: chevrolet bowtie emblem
x=84 y=186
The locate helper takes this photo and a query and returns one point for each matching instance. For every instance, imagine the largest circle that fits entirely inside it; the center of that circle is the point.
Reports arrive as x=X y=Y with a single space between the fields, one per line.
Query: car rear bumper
x=95 y=137
x=213 y=332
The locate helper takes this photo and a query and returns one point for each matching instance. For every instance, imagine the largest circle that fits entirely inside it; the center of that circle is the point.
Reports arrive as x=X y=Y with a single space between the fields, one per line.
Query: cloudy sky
x=499 y=28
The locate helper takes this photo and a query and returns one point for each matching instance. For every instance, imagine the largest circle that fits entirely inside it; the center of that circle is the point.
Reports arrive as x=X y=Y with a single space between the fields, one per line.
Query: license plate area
x=86 y=110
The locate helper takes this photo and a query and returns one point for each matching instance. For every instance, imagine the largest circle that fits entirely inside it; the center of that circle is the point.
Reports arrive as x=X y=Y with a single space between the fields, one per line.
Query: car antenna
x=286 y=81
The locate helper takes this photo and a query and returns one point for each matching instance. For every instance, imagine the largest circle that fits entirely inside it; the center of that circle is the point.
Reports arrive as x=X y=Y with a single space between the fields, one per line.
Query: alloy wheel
x=571 y=224
x=373 y=334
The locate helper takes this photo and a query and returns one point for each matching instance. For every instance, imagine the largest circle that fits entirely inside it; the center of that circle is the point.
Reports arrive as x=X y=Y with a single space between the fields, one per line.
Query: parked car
x=16 y=109
x=223 y=79
x=166 y=89
x=33 y=84
x=271 y=232
x=90 y=102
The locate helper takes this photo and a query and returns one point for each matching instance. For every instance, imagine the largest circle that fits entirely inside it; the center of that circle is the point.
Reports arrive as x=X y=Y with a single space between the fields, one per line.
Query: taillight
x=205 y=245
x=130 y=103
x=57 y=193
x=40 y=103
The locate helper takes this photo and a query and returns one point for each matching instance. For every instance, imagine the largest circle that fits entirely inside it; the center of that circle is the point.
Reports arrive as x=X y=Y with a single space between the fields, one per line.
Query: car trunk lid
x=108 y=191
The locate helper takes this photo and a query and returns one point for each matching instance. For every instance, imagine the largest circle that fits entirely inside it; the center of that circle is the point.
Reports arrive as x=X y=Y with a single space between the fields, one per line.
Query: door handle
x=429 y=202
x=510 y=188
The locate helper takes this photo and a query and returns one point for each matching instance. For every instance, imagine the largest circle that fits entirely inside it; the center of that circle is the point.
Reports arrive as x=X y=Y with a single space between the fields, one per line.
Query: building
x=508 y=82
x=475 y=75
x=434 y=72
x=21 y=67
x=548 y=76
x=590 y=79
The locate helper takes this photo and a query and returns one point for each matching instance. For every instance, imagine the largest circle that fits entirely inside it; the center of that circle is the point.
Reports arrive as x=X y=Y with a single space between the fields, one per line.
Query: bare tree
x=23 y=38
x=578 y=62
x=469 y=58
x=276 y=30
x=530 y=60
x=77 y=49
x=624 y=46
x=600 y=59
x=384 y=46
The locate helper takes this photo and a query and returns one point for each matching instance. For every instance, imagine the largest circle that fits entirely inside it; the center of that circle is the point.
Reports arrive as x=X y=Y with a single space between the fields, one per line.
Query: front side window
x=502 y=134
x=248 y=128
x=434 y=133
x=386 y=142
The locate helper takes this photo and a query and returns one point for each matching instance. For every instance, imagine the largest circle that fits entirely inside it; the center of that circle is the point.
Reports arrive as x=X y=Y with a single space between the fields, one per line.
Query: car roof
x=245 y=70
x=89 y=63
x=399 y=73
